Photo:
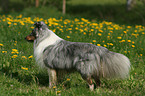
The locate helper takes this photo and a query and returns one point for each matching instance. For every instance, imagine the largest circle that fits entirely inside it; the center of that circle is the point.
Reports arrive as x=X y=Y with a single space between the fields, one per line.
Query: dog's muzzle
x=30 y=38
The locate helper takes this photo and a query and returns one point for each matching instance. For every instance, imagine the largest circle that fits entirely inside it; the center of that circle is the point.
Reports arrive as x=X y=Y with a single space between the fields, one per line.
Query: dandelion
x=128 y=26
x=68 y=79
x=9 y=23
x=128 y=40
x=15 y=23
x=135 y=30
x=133 y=46
x=100 y=30
x=125 y=51
x=54 y=30
x=99 y=34
x=119 y=37
x=67 y=36
x=84 y=33
x=24 y=68
x=14 y=50
x=92 y=29
x=132 y=42
x=15 y=44
x=4 y=51
x=76 y=28
x=30 y=57
x=125 y=32
x=58 y=92
x=24 y=57
x=105 y=45
x=32 y=27
x=98 y=44
x=94 y=41
x=122 y=41
x=110 y=44
x=14 y=56
x=54 y=87
x=1 y=44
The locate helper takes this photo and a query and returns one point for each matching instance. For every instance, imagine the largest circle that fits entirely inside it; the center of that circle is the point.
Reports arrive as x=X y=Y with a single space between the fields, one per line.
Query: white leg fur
x=91 y=87
x=52 y=77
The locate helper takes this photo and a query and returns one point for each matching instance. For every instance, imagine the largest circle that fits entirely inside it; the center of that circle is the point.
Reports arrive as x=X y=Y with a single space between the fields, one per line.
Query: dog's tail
x=114 y=65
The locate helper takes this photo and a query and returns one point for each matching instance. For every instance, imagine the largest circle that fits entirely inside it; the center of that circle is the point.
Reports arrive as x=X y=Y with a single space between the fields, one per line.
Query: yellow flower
x=15 y=23
x=14 y=50
x=4 y=51
x=1 y=44
x=68 y=79
x=84 y=33
x=94 y=40
x=98 y=44
x=128 y=26
x=135 y=30
x=67 y=36
x=32 y=27
x=133 y=46
x=9 y=23
x=92 y=29
x=14 y=56
x=119 y=37
x=132 y=42
x=76 y=28
x=54 y=30
x=105 y=45
x=125 y=51
x=140 y=54
x=24 y=68
x=111 y=44
x=99 y=34
x=58 y=92
x=30 y=56
x=24 y=57
x=54 y=87
x=128 y=40
x=125 y=32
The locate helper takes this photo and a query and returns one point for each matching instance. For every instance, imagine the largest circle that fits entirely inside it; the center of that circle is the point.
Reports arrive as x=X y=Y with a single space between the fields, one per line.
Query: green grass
x=19 y=75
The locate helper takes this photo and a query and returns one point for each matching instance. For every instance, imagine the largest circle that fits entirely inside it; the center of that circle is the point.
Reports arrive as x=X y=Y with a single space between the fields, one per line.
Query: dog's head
x=39 y=26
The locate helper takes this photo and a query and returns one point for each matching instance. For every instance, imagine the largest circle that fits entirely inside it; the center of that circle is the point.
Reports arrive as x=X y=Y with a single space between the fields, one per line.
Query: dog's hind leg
x=97 y=80
x=90 y=83
x=52 y=77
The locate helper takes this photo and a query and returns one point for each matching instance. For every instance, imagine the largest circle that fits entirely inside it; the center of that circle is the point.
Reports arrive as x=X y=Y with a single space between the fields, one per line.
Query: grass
x=19 y=75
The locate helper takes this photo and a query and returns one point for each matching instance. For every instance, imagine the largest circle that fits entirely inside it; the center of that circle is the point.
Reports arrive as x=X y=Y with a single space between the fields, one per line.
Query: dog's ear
x=37 y=24
x=40 y=24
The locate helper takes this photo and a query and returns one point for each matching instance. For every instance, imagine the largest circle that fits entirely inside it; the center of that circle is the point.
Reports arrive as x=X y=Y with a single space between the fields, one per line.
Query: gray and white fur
x=91 y=61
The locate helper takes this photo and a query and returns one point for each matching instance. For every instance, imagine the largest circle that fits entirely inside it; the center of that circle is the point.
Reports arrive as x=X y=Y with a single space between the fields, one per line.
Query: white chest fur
x=40 y=47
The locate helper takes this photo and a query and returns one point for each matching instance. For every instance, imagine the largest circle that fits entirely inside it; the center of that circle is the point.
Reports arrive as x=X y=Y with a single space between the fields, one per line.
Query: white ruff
x=38 y=49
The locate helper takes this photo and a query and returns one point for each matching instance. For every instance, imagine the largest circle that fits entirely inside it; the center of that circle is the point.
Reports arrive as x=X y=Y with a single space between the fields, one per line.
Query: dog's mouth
x=30 y=38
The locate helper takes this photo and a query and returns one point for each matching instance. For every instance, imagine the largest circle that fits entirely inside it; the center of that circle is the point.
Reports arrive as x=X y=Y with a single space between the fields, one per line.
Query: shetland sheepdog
x=91 y=61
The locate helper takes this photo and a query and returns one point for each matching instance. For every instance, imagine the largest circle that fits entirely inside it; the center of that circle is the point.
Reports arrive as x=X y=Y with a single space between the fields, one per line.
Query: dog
x=91 y=61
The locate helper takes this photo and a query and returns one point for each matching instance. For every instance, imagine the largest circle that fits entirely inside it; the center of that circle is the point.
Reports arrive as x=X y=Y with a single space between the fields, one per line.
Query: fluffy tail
x=115 y=65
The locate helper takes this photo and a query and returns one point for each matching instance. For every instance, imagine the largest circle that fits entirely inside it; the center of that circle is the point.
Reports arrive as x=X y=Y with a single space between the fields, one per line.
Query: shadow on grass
x=27 y=78
x=113 y=13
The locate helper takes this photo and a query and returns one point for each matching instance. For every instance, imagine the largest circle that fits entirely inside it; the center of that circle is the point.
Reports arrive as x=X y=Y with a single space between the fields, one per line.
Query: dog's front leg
x=52 y=77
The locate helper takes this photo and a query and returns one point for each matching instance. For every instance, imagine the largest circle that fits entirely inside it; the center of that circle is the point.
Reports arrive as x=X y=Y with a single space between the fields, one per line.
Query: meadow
x=19 y=74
